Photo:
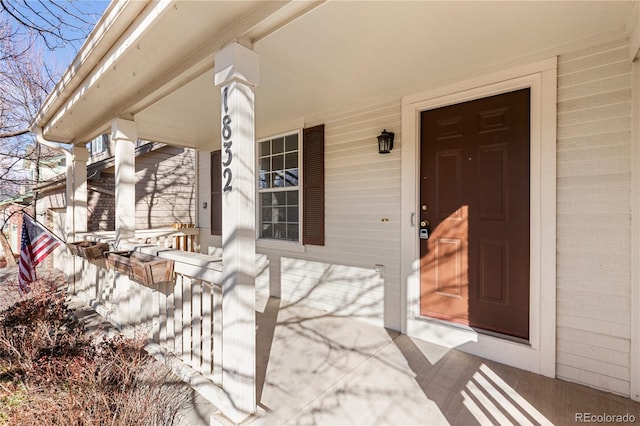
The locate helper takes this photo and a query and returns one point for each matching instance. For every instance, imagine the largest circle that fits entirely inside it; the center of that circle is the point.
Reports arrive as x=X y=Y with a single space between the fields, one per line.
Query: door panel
x=474 y=189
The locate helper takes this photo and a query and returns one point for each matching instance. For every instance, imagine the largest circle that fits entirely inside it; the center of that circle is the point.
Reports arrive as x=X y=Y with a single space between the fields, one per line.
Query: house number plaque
x=227 y=174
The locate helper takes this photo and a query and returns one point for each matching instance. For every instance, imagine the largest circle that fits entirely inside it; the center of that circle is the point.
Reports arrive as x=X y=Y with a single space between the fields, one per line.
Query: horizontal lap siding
x=362 y=188
x=165 y=187
x=594 y=202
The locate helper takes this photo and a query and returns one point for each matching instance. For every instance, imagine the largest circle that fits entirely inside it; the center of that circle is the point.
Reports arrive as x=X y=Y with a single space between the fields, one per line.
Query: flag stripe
x=37 y=243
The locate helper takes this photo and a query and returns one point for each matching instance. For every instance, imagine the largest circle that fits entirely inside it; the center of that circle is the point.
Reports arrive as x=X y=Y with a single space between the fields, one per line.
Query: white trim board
x=634 y=391
x=539 y=355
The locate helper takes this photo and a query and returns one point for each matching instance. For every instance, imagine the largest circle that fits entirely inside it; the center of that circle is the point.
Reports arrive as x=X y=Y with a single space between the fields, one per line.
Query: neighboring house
x=164 y=186
x=503 y=222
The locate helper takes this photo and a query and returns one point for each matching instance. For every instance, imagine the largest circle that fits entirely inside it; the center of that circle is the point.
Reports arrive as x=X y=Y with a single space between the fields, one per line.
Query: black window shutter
x=216 y=193
x=313 y=185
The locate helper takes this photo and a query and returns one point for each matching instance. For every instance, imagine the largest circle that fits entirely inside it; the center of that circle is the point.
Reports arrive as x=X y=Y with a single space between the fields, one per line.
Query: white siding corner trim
x=539 y=355
x=635 y=238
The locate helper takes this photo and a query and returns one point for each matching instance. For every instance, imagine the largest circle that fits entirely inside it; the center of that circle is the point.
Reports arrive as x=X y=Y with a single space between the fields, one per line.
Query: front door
x=474 y=206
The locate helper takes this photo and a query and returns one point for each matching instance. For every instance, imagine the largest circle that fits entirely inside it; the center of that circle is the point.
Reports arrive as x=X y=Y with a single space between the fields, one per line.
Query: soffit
x=338 y=53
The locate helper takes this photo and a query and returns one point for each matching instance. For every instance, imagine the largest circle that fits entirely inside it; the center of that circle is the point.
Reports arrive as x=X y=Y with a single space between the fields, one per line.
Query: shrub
x=52 y=373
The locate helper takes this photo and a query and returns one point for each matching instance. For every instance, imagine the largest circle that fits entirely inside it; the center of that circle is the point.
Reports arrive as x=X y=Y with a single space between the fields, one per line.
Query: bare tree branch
x=14 y=134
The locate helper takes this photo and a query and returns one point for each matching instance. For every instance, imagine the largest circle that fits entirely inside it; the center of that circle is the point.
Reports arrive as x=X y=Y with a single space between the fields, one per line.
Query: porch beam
x=236 y=73
x=124 y=134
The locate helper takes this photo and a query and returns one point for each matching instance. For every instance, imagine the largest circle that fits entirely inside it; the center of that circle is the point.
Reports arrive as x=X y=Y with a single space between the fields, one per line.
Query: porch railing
x=181 y=318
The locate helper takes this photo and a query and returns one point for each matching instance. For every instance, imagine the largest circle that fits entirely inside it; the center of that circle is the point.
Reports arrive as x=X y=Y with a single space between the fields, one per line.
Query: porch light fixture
x=385 y=142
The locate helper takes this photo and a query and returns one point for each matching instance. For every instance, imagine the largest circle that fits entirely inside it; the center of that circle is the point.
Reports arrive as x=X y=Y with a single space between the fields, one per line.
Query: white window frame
x=274 y=243
x=539 y=354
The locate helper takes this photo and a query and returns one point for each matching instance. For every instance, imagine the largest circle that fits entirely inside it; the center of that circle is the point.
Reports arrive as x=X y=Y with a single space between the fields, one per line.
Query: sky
x=69 y=19
x=92 y=11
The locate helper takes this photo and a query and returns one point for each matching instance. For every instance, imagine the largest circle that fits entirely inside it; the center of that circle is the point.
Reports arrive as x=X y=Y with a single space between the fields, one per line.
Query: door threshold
x=463 y=327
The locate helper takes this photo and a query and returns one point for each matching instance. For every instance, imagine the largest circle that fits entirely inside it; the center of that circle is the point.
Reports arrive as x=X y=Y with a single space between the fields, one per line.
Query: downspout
x=66 y=150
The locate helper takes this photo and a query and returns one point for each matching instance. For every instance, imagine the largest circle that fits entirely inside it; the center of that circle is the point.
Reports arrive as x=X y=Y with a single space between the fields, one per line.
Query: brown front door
x=474 y=195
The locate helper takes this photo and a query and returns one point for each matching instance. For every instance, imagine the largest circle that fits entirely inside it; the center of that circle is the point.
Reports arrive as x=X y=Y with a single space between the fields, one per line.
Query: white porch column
x=236 y=73
x=80 y=157
x=76 y=217
x=76 y=192
x=124 y=134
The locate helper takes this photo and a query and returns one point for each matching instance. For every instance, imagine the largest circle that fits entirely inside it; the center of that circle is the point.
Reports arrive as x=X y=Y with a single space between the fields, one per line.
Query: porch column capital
x=80 y=153
x=235 y=62
x=122 y=129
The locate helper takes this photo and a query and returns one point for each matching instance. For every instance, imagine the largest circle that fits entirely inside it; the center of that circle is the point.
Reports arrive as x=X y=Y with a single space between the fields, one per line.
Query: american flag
x=36 y=245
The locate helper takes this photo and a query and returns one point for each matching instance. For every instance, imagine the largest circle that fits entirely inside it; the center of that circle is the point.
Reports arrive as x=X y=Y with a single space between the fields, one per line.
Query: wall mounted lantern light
x=385 y=142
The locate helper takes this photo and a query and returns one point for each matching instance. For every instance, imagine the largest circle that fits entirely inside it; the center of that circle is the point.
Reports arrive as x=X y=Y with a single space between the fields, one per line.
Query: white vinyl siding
x=362 y=229
x=593 y=217
x=165 y=191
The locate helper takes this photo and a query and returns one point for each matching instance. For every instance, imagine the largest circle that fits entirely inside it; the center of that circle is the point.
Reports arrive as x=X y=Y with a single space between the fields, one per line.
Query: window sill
x=267 y=244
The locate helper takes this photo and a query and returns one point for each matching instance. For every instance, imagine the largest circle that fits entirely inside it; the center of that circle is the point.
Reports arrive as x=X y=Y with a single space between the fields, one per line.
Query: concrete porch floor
x=319 y=368
x=316 y=368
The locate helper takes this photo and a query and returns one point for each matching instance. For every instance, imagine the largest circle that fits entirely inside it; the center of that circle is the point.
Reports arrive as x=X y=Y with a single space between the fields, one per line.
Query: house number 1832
x=227 y=174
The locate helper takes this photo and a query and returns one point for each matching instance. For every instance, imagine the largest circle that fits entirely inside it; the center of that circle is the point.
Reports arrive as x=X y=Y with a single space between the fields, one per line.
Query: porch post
x=236 y=73
x=124 y=133
x=76 y=218
x=80 y=157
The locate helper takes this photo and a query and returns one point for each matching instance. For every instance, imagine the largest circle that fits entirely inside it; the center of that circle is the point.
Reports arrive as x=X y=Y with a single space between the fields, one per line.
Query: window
x=278 y=188
x=99 y=144
x=284 y=213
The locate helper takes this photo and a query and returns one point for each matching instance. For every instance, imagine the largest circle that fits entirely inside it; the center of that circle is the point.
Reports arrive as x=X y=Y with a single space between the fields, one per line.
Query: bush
x=52 y=373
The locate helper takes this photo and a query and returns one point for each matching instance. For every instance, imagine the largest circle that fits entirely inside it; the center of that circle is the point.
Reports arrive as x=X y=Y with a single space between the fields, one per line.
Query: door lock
x=425 y=230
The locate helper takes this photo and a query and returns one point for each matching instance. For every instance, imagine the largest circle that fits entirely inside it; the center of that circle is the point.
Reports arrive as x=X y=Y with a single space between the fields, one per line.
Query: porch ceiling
x=315 y=57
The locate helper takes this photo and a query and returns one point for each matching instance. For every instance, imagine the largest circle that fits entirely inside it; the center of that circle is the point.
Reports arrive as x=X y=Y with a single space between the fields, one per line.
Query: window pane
x=291 y=177
x=265 y=164
x=266 y=214
x=263 y=179
x=291 y=160
x=292 y=198
x=265 y=148
x=277 y=162
x=267 y=231
x=279 y=198
x=277 y=146
x=292 y=214
x=291 y=142
x=292 y=232
x=266 y=199
x=280 y=231
x=279 y=214
x=278 y=180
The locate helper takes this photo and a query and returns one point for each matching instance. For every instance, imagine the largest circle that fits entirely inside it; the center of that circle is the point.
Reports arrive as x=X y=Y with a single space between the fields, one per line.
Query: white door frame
x=539 y=355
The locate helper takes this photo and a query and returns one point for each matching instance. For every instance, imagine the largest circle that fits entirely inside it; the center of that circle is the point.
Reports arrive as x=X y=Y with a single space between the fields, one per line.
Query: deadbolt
x=423 y=223
x=424 y=207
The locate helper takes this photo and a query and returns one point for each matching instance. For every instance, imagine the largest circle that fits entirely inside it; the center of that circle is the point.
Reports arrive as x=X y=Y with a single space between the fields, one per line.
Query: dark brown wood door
x=474 y=190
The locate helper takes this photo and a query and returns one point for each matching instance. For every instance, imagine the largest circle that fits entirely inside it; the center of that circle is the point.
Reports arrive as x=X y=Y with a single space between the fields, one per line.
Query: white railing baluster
x=171 y=330
x=163 y=313
x=178 y=323
x=196 y=325
x=217 y=335
x=207 y=329
x=187 y=319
